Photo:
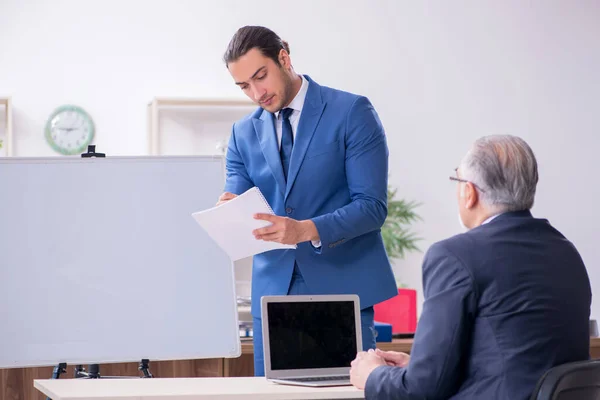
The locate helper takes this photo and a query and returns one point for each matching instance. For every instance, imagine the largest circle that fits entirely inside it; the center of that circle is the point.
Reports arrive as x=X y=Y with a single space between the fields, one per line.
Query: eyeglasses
x=457 y=179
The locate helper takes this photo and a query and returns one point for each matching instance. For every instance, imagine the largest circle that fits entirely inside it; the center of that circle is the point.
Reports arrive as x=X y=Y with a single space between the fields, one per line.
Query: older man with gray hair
x=504 y=302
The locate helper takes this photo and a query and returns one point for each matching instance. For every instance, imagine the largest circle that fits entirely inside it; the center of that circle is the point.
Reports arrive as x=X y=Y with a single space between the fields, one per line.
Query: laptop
x=310 y=340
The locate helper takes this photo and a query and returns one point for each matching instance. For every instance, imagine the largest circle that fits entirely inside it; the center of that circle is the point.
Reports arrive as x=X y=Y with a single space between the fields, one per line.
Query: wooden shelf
x=7 y=145
x=185 y=101
x=210 y=110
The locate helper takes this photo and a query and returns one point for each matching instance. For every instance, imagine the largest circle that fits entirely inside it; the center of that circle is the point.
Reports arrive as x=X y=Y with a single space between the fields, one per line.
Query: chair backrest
x=571 y=381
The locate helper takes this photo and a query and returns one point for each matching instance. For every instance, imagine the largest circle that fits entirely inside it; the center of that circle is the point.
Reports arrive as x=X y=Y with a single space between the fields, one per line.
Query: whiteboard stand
x=94 y=372
x=61 y=368
x=92 y=152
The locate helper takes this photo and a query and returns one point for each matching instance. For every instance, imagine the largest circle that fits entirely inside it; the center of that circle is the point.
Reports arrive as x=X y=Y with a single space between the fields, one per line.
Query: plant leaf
x=396 y=234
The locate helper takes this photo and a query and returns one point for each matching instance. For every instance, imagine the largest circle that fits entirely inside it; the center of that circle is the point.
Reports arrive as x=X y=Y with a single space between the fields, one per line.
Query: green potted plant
x=396 y=231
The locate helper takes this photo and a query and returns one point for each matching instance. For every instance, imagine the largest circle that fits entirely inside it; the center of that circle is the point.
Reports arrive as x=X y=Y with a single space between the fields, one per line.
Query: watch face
x=69 y=130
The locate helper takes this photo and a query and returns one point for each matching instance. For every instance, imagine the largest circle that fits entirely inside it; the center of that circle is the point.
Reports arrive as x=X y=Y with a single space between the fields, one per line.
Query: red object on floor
x=400 y=311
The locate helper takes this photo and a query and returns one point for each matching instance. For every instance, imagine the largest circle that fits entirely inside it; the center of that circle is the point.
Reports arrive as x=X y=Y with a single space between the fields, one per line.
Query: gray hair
x=504 y=167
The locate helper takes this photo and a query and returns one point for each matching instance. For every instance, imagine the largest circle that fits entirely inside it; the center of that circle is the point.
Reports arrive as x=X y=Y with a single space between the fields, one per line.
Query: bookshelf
x=6 y=135
x=192 y=126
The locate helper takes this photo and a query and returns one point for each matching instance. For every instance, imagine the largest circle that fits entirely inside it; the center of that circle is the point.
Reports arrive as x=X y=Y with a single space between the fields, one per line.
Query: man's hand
x=285 y=230
x=226 y=197
x=362 y=366
x=394 y=358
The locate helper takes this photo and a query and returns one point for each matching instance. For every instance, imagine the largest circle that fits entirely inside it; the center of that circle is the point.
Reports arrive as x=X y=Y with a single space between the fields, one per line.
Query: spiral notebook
x=231 y=224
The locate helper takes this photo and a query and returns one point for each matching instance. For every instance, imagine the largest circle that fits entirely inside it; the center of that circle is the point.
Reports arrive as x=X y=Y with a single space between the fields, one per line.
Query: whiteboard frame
x=233 y=353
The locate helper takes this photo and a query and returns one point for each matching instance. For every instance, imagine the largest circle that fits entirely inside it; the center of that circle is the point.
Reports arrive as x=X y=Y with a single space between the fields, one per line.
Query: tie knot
x=286 y=112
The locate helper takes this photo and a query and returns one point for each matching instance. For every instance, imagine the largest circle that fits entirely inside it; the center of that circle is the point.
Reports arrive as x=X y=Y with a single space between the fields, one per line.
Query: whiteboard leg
x=145 y=368
x=59 y=369
x=94 y=372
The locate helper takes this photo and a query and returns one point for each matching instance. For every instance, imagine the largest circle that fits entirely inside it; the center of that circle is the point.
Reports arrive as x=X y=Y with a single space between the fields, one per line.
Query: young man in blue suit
x=320 y=158
x=504 y=302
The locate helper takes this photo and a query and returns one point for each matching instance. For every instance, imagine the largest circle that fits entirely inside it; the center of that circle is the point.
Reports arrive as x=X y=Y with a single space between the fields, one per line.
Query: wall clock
x=69 y=130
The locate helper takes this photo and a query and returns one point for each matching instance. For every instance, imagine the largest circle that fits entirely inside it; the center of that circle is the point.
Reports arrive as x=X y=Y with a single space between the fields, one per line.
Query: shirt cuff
x=316 y=244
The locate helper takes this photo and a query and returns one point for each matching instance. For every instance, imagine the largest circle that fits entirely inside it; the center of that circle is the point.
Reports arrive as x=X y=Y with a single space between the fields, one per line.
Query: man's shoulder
x=464 y=250
x=454 y=245
x=501 y=236
x=340 y=97
x=480 y=241
x=338 y=93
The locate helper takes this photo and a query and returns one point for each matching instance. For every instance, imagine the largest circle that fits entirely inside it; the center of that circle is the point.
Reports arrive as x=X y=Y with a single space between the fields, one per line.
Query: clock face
x=69 y=130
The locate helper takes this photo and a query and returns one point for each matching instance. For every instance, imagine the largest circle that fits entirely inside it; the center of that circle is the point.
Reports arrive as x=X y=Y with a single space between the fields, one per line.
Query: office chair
x=571 y=381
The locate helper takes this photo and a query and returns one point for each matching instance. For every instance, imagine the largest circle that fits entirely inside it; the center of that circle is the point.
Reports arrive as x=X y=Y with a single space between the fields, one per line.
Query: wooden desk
x=186 y=388
x=17 y=383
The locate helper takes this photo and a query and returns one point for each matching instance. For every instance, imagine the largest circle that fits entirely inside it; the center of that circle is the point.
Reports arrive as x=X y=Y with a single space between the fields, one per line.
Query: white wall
x=440 y=74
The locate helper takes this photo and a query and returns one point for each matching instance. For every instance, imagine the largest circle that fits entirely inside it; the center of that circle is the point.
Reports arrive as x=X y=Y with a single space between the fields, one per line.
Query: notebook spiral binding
x=263 y=199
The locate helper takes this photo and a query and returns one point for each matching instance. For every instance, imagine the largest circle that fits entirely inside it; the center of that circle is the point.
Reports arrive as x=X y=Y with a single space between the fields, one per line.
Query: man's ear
x=470 y=194
x=284 y=58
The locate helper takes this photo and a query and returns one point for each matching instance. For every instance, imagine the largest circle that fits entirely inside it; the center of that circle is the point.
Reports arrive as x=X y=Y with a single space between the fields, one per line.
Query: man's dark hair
x=251 y=37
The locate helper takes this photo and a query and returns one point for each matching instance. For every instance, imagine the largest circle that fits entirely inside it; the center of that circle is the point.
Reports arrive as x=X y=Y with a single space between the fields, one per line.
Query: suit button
x=289 y=210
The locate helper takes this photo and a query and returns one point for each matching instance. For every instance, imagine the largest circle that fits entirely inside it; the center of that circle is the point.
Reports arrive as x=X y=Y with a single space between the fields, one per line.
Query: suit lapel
x=309 y=119
x=265 y=130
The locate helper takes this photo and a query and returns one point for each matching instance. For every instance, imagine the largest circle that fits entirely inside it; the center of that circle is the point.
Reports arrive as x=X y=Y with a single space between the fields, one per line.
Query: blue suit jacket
x=338 y=178
x=504 y=302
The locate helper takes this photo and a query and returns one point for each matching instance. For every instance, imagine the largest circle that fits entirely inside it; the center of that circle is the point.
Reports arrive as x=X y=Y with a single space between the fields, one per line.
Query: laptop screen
x=309 y=335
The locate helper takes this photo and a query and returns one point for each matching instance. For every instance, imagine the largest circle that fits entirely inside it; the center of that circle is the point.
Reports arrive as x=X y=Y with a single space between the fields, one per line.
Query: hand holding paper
x=225 y=197
x=231 y=225
x=286 y=230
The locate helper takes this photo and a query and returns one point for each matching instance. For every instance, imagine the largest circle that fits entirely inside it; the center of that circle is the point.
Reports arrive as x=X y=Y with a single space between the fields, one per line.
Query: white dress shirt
x=297 y=104
x=490 y=219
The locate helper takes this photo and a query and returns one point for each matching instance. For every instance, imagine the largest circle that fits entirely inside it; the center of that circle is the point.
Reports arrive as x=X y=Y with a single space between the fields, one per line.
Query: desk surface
x=250 y=388
x=179 y=388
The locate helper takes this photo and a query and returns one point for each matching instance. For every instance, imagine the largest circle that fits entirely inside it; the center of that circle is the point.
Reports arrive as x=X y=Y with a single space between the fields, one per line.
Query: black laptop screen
x=315 y=334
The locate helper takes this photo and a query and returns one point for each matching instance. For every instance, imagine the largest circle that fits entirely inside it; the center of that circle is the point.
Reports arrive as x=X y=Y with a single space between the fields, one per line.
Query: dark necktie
x=287 y=140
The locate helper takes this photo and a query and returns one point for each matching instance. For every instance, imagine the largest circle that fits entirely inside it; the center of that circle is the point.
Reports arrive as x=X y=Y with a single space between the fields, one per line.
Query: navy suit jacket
x=504 y=302
x=337 y=178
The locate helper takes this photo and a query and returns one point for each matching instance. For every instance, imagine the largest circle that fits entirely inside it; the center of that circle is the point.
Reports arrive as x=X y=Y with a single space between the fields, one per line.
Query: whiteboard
x=101 y=261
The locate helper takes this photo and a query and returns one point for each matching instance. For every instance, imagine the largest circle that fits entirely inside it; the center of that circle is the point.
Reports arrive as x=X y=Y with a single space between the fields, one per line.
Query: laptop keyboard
x=321 y=378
